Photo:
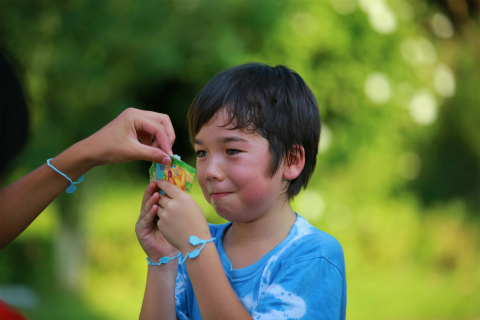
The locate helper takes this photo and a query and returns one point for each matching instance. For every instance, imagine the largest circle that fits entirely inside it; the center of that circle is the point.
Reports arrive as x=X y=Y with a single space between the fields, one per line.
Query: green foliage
x=397 y=180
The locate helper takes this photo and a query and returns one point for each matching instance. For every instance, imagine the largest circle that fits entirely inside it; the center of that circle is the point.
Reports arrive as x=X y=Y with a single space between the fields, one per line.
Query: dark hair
x=14 y=115
x=274 y=102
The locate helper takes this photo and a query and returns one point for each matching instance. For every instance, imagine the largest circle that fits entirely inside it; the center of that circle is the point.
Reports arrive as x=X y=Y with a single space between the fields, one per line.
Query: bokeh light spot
x=419 y=51
x=423 y=107
x=310 y=205
x=442 y=26
x=325 y=139
x=382 y=19
x=377 y=88
x=444 y=80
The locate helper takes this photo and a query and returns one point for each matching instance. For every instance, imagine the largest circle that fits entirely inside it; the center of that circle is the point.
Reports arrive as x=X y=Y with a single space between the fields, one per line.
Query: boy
x=255 y=130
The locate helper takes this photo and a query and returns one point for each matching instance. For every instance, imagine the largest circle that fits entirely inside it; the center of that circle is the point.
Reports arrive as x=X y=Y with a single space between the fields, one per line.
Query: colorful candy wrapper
x=178 y=173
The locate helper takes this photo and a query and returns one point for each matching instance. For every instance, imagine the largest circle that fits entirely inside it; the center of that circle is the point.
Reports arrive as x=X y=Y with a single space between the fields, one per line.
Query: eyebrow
x=224 y=140
x=232 y=139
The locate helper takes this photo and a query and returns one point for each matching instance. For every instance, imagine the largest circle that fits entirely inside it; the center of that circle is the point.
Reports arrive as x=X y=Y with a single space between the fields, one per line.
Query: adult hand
x=117 y=142
x=134 y=135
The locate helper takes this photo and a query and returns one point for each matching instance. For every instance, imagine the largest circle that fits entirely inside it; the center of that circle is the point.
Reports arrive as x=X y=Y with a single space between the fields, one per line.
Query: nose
x=214 y=169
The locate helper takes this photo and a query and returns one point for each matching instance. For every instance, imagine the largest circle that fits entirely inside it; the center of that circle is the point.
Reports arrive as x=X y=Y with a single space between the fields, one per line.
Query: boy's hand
x=180 y=217
x=150 y=238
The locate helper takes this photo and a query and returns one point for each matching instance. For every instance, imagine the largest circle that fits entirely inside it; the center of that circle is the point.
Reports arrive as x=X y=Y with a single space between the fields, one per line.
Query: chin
x=227 y=214
x=237 y=217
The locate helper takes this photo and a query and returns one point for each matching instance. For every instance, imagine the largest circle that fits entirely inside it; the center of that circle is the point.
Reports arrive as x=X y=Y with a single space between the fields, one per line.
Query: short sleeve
x=311 y=289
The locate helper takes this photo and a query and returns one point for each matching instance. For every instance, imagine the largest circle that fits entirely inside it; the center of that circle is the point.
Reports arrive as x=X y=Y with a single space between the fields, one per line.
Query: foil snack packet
x=178 y=173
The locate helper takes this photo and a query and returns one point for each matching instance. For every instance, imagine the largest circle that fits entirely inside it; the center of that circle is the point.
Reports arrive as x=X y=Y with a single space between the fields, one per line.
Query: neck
x=247 y=242
x=274 y=226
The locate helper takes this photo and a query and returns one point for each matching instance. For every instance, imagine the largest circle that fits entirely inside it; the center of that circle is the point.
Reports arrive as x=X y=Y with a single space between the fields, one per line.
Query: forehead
x=224 y=120
x=221 y=127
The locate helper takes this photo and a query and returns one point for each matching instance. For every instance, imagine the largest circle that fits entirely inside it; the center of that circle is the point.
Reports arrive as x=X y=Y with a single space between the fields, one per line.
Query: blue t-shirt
x=303 y=277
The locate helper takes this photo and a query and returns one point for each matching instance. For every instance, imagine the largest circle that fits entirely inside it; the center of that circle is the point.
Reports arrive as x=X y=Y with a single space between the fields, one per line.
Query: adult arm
x=23 y=200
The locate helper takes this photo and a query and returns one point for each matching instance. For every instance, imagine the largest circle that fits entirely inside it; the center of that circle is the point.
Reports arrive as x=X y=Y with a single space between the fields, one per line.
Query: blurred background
x=397 y=179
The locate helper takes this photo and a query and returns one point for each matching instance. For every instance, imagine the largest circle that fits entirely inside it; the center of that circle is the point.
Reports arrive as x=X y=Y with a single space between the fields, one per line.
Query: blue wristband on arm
x=163 y=260
x=194 y=241
x=71 y=188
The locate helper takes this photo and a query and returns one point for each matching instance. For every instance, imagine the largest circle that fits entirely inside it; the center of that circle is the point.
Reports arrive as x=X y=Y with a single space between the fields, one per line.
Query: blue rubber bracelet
x=194 y=241
x=163 y=260
x=71 y=188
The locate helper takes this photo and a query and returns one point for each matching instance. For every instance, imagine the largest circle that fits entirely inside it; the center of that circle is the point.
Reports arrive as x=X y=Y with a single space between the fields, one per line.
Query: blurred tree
x=86 y=61
x=452 y=154
x=396 y=82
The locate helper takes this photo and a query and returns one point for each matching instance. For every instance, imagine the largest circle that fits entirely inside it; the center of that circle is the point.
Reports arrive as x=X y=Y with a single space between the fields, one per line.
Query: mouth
x=219 y=195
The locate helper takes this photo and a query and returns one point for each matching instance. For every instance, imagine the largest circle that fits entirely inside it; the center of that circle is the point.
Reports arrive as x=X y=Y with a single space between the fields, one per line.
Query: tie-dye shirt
x=301 y=278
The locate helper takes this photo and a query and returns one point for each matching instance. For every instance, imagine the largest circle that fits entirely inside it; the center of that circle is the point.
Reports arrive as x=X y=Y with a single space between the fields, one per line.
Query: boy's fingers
x=170 y=189
x=162 y=202
x=151 y=202
x=149 y=190
x=148 y=196
x=150 y=216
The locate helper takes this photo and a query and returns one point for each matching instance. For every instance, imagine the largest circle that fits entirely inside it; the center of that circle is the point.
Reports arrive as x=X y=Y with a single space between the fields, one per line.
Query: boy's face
x=233 y=171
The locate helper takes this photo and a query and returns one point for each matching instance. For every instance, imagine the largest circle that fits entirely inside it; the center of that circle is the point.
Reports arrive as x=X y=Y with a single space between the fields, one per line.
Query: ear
x=294 y=163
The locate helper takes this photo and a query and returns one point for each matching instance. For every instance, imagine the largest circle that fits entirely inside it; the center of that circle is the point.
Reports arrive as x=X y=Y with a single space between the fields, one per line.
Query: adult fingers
x=152 y=154
x=164 y=119
x=146 y=139
x=158 y=125
x=160 y=149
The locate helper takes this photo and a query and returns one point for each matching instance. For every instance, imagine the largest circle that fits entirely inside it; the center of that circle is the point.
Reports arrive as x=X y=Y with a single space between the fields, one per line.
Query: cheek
x=202 y=181
x=254 y=187
x=262 y=186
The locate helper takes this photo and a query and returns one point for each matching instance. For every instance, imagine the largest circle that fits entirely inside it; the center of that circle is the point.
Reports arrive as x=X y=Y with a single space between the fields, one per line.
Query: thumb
x=153 y=154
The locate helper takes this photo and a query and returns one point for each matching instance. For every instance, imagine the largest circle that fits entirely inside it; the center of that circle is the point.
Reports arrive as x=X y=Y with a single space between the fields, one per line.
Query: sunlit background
x=397 y=179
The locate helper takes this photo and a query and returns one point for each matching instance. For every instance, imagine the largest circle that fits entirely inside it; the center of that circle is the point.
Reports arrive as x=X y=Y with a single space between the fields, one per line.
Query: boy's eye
x=201 y=153
x=232 y=152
